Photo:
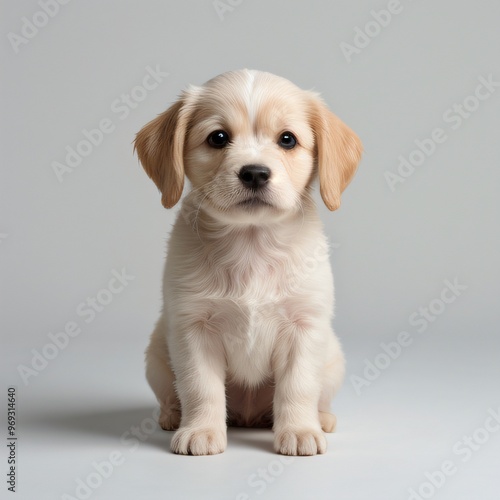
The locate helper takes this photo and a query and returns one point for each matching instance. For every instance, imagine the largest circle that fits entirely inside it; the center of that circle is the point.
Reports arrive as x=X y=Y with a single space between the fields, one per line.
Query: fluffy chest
x=251 y=266
x=250 y=342
x=247 y=288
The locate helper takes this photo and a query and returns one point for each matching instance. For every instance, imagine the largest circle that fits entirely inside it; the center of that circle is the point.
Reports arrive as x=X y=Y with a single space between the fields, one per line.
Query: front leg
x=199 y=364
x=297 y=366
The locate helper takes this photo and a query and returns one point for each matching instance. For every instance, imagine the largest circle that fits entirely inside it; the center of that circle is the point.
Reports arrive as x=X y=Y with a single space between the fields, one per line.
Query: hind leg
x=333 y=376
x=161 y=378
x=328 y=421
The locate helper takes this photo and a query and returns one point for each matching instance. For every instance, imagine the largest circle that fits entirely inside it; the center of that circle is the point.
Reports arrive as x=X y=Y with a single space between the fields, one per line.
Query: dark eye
x=287 y=140
x=218 y=139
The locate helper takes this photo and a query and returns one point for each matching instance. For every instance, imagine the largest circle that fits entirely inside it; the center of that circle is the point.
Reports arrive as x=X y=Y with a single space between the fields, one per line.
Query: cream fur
x=245 y=333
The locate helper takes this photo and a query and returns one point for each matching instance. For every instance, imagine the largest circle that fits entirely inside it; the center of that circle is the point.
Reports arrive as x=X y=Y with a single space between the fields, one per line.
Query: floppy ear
x=338 y=151
x=160 y=148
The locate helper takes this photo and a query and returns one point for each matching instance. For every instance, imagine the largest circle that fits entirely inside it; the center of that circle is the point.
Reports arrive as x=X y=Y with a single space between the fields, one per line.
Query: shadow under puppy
x=245 y=334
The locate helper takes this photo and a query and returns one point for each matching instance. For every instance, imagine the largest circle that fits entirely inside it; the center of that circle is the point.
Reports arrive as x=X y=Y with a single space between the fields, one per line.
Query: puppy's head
x=250 y=143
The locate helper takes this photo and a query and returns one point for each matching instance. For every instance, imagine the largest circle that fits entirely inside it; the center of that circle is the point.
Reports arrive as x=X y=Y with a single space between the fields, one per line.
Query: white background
x=60 y=242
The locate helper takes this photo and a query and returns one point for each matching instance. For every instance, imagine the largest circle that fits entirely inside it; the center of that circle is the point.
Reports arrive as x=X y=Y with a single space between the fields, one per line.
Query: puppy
x=245 y=335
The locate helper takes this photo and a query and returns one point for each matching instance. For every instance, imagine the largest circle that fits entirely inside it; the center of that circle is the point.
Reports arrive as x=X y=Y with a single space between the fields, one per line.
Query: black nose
x=254 y=176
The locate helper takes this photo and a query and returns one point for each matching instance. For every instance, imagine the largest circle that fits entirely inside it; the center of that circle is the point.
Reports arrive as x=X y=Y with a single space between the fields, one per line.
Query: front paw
x=199 y=441
x=300 y=442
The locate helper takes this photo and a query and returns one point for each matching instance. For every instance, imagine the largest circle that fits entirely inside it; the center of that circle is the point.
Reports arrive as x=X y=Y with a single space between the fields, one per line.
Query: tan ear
x=160 y=148
x=338 y=153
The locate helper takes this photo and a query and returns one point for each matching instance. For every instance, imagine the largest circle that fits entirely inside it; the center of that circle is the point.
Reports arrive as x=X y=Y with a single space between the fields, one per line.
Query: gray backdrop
x=415 y=244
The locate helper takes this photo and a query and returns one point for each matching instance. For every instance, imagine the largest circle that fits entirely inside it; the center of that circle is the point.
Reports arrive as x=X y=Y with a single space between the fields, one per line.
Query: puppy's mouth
x=254 y=202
